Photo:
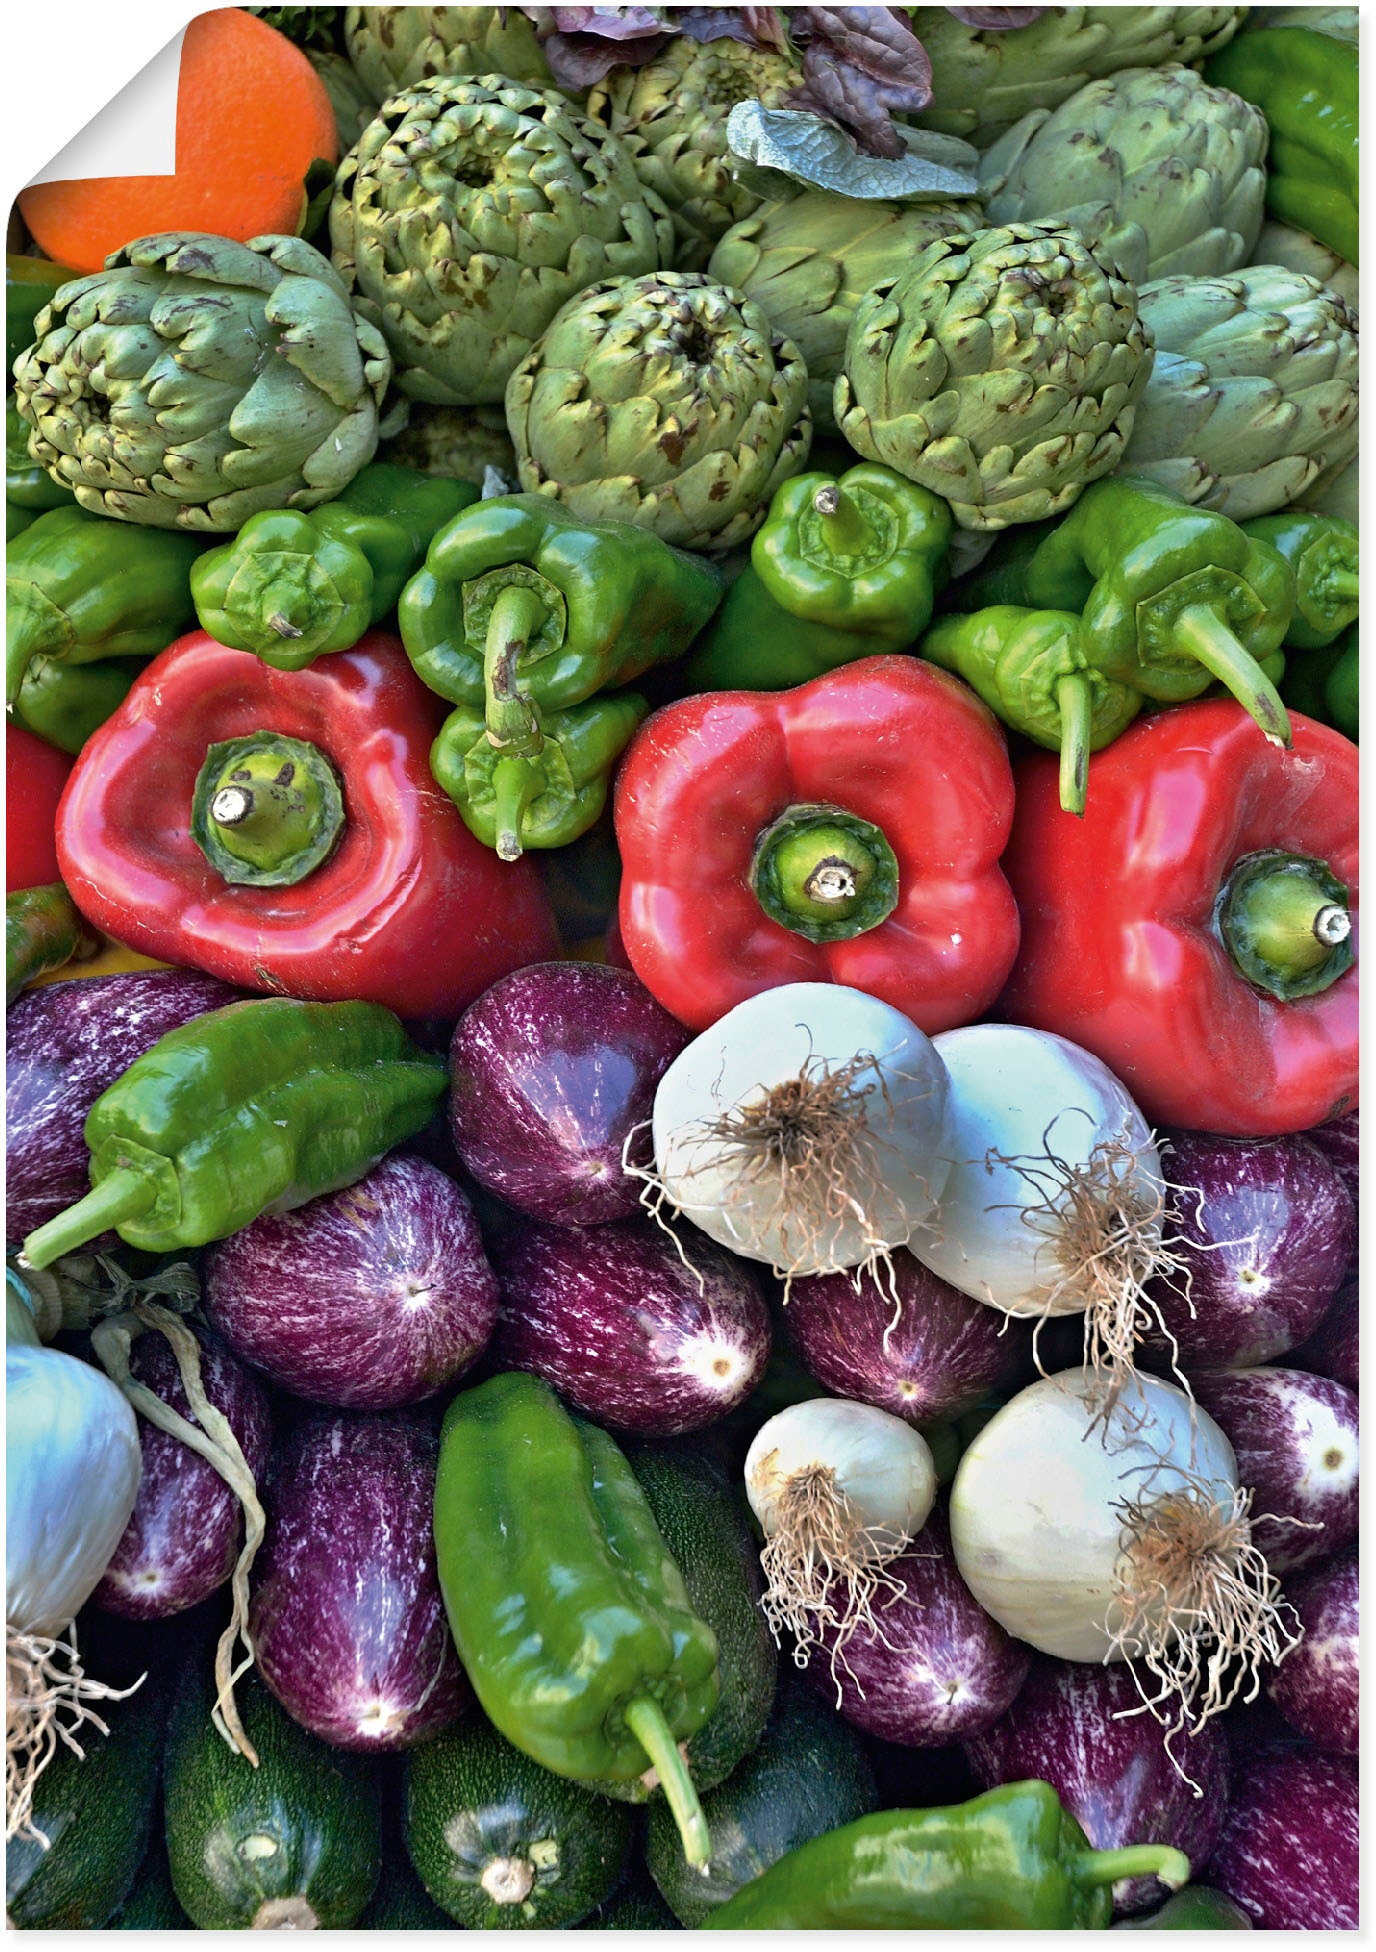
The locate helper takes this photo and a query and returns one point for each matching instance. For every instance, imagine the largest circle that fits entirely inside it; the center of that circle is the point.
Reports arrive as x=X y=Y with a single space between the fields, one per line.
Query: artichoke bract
x=1253 y=400
x=1001 y=371
x=1296 y=250
x=672 y=114
x=807 y=264
x=470 y=211
x=1153 y=166
x=983 y=81
x=668 y=401
x=461 y=442
x=196 y=380
x=396 y=47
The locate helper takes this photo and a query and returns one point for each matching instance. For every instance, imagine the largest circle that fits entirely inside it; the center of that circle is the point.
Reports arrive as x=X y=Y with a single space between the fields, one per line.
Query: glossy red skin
x=410 y=911
x=35 y=774
x=892 y=739
x=1119 y=952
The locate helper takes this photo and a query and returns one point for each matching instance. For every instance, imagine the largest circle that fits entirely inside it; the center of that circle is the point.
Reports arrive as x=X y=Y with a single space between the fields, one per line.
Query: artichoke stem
x=1075 y=703
x=516 y=782
x=846 y=531
x=513 y=724
x=1208 y=639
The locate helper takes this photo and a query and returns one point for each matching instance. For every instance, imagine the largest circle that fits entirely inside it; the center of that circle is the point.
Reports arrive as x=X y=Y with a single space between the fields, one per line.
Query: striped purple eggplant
x=369 y=1298
x=1081 y=1727
x=1288 y=1853
x=347 y=1618
x=1295 y=1437
x=1340 y=1141
x=629 y=1334
x=187 y=1526
x=1316 y=1686
x=936 y=1668
x=554 y=1070
x=65 y=1044
x=1334 y=1349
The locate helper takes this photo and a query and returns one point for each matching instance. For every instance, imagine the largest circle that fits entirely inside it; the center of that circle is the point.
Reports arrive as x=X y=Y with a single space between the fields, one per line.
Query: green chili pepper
x=1324 y=684
x=1322 y=552
x=43 y=931
x=1195 y=1909
x=841 y=569
x=292 y=587
x=64 y=703
x=511 y=801
x=252 y=1109
x=80 y=588
x=1031 y=670
x=1010 y=1860
x=568 y=1612
x=1305 y=83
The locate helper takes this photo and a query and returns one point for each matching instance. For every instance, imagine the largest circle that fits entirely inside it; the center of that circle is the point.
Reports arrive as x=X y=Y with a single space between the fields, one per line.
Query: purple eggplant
x=936 y=1668
x=366 y=1299
x=1333 y=1349
x=1316 y=1685
x=1339 y=1142
x=1266 y=1229
x=187 y=1525
x=347 y=1619
x=1081 y=1727
x=614 y=1320
x=555 y=1069
x=66 y=1043
x=1295 y=1439
x=1288 y=1853
x=935 y=1354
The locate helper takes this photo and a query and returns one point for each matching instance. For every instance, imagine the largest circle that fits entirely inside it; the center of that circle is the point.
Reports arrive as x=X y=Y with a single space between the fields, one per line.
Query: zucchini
x=293 y=1845
x=152 y=1904
x=500 y=1843
x=635 y=1907
x=810 y=1774
x=96 y=1812
x=401 y=1902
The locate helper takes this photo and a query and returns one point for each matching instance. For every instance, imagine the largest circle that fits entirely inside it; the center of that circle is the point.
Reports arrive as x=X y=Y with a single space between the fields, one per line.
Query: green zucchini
x=635 y=1906
x=401 y=1902
x=294 y=1844
x=707 y=1529
x=152 y=1904
x=96 y=1812
x=500 y=1843
x=810 y=1774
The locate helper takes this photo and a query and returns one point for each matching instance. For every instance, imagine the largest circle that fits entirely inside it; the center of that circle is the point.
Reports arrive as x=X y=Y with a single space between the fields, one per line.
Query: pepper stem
x=1285 y=921
x=121 y=1195
x=1345 y=585
x=1097 y=1867
x=846 y=531
x=513 y=724
x=1075 y=702
x=645 y=1719
x=824 y=873
x=516 y=782
x=1208 y=639
x=267 y=810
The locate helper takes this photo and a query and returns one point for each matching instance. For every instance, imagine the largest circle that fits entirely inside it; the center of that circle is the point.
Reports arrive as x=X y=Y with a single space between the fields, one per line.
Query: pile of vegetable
x=681 y=963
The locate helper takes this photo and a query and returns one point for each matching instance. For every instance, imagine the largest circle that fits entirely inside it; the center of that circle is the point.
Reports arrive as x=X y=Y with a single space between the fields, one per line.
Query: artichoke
x=1296 y=250
x=984 y=81
x=667 y=401
x=470 y=211
x=354 y=105
x=1254 y=394
x=672 y=114
x=461 y=442
x=1153 y=166
x=1001 y=371
x=395 y=47
x=196 y=380
x=808 y=263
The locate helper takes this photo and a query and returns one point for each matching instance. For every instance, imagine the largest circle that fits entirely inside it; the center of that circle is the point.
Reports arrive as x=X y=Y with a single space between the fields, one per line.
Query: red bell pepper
x=848 y=831
x=281 y=829
x=35 y=774
x=1194 y=928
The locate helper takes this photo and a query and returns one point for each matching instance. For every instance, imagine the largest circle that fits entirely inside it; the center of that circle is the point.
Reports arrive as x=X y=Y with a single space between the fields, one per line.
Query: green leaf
x=779 y=150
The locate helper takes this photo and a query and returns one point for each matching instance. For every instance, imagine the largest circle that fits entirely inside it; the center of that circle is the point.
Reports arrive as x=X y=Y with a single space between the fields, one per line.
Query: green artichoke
x=196 y=380
x=1296 y=250
x=395 y=47
x=1254 y=393
x=1336 y=494
x=354 y=104
x=470 y=211
x=461 y=442
x=1153 y=166
x=808 y=263
x=1001 y=371
x=667 y=401
x=984 y=81
x=672 y=114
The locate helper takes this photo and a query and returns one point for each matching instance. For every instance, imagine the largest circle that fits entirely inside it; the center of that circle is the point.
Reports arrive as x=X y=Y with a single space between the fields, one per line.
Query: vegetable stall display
x=682 y=932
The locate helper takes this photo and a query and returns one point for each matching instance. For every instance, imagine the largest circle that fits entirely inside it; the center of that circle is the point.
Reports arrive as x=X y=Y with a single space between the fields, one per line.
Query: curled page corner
x=135 y=134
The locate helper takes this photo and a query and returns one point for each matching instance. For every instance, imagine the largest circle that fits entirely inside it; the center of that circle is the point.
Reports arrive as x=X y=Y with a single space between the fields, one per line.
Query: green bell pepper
x=1031 y=669
x=1010 y=1860
x=1195 y=1909
x=27 y=485
x=1305 y=84
x=43 y=931
x=65 y=703
x=80 y=588
x=292 y=587
x=1324 y=684
x=255 y=1108
x=840 y=569
x=511 y=802
x=1322 y=551
x=569 y=1615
